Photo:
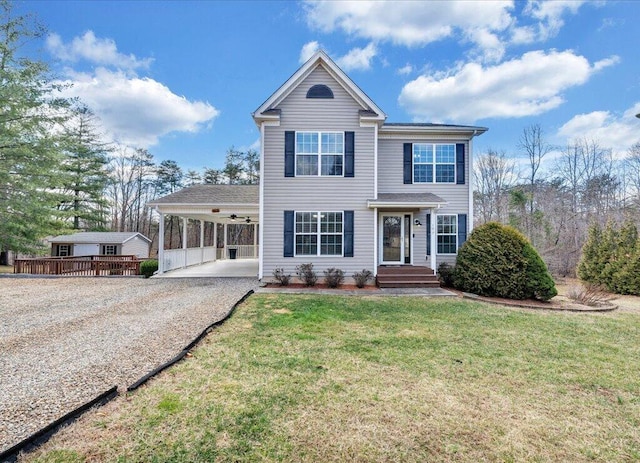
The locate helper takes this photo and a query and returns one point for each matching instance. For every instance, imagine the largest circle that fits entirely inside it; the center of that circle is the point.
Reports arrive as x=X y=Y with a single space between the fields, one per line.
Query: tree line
x=554 y=201
x=57 y=172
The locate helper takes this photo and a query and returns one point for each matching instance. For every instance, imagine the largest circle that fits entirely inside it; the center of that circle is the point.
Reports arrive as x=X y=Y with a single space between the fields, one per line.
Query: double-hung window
x=318 y=233
x=319 y=153
x=447 y=234
x=434 y=163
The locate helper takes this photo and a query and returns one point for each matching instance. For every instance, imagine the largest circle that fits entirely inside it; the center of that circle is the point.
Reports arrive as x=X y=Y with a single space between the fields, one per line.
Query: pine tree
x=30 y=154
x=85 y=172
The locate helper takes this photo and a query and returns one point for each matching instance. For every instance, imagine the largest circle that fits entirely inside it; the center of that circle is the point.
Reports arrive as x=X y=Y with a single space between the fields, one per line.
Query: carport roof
x=212 y=195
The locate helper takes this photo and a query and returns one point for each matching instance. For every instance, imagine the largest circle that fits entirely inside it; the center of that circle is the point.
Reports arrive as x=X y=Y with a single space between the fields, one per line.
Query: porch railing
x=180 y=258
x=99 y=265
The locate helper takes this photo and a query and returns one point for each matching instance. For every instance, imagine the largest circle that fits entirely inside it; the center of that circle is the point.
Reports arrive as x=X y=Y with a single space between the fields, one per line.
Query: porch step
x=406 y=276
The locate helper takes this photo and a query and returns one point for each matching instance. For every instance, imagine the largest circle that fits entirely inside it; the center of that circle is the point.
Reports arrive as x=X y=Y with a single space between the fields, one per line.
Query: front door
x=395 y=237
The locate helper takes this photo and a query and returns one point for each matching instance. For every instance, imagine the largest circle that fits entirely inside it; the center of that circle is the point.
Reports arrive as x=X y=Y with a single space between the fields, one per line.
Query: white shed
x=101 y=243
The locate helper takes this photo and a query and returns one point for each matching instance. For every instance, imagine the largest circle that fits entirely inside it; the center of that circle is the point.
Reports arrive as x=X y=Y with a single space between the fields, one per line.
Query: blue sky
x=182 y=78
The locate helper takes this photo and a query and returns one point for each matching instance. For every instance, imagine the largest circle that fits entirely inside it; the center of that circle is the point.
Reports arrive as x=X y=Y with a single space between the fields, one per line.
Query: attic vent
x=320 y=91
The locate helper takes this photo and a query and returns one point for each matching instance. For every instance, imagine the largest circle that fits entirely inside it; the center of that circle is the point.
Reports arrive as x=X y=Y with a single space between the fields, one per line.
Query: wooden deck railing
x=79 y=265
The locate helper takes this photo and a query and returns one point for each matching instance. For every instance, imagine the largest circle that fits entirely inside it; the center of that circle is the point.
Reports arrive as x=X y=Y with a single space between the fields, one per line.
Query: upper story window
x=434 y=163
x=318 y=233
x=319 y=153
x=320 y=91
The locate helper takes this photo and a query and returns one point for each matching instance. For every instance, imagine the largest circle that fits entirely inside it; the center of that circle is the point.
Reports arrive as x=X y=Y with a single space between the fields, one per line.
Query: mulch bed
x=559 y=305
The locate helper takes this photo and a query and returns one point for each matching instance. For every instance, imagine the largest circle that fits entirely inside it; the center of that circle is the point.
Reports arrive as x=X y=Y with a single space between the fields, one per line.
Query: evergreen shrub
x=148 y=267
x=497 y=260
x=445 y=274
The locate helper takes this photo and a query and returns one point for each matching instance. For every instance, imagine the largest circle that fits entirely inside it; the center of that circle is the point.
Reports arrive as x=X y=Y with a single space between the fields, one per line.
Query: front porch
x=406 y=276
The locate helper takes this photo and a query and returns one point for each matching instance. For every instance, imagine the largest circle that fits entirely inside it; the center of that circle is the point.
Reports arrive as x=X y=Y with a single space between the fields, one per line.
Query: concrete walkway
x=247 y=268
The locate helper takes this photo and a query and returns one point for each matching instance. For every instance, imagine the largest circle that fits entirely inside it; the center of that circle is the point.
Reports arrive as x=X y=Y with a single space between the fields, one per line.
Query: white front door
x=395 y=238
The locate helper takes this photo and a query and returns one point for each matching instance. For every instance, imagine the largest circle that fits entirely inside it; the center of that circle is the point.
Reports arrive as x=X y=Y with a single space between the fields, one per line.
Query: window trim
x=433 y=163
x=318 y=234
x=454 y=234
x=68 y=250
x=319 y=154
x=106 y=246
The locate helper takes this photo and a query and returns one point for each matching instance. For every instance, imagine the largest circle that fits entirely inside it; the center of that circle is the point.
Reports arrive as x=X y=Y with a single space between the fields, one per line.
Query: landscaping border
x=43 y=435
x=536 y=305
x=189 y=346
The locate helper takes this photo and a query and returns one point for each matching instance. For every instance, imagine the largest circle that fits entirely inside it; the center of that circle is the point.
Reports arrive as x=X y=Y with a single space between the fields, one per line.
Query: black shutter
x=408 y=163
x=460 y=163
x=289 y=154
x=289 y=224
x=348 y=233
x=428 y=225
x=349 y=151
x=462 y=229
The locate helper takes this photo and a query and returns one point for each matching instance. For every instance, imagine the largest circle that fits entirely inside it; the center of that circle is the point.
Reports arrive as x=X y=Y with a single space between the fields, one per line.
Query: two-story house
x=341 y=187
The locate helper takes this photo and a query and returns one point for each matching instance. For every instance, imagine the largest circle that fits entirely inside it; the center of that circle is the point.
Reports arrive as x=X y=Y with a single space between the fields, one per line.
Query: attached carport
x=225 y=206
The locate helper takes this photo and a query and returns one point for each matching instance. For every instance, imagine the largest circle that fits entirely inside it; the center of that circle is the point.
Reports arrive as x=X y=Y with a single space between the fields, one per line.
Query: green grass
x=6 y=268
x=311 y=378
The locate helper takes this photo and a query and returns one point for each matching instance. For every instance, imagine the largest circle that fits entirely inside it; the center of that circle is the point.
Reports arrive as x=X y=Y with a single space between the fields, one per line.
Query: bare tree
x=494 y=175
x=535 y=147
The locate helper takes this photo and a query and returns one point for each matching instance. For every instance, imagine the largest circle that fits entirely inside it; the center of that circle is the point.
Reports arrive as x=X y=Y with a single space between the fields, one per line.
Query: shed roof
x=212 y=194
x=98 y=237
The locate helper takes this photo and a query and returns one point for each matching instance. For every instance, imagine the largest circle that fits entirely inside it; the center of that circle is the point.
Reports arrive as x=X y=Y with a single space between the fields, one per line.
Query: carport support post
x=215 y=241
x=255 y=240
x=184 y=239
x=161 y=245
x=201 y=241
x=224 y=249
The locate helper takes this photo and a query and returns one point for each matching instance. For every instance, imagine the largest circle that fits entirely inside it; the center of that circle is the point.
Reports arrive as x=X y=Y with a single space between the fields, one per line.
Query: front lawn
x=319 y=379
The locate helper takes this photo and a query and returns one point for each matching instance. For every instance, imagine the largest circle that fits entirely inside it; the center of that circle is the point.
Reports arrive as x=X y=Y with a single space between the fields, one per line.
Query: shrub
x=282 y=278
x=589 y=294
x=445 y=274
x=148 y=267
x=333 y=277
x=306 y=274
x=608 y=256
x=497 y=260
x=361 y=278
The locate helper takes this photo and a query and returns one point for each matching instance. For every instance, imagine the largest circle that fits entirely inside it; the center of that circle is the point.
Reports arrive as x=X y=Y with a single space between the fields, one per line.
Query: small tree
x=497 y=260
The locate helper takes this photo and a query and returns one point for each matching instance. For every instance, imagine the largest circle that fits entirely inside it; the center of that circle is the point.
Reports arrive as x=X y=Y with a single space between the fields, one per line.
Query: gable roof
x=319 y=58
x=98 y=237
x=212 y=194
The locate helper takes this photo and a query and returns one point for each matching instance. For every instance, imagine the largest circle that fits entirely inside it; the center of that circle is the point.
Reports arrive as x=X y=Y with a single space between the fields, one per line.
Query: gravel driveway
x=63 y=341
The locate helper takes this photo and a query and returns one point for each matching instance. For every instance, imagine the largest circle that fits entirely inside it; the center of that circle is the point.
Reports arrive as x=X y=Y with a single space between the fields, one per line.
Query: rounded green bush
x=497 y=260
x=148 y=267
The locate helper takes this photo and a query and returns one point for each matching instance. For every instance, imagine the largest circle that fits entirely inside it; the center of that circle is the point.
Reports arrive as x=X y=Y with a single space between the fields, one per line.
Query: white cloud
x=529 y=85
x=549 y=16
x=133 y=110
x=358 y=58
x=610 y=130
x=103 y=52
x=405 y=70
x=308 y=49
x=137 y=111
x=412 y=23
